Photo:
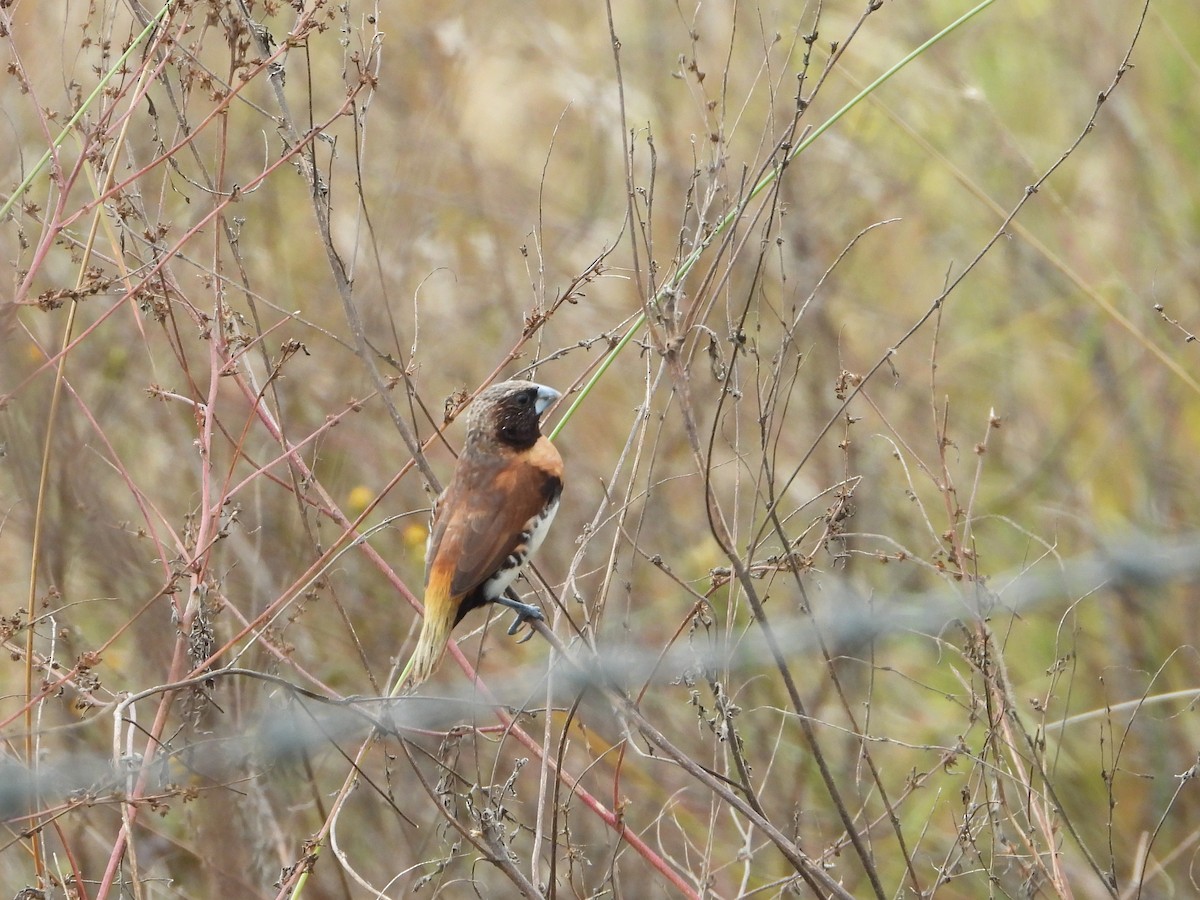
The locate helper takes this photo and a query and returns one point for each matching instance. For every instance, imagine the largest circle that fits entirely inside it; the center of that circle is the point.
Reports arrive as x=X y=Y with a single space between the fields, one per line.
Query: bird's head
x=509 y=413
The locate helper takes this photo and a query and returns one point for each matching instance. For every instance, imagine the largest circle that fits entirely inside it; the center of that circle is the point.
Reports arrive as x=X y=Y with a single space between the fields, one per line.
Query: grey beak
x=545 y=396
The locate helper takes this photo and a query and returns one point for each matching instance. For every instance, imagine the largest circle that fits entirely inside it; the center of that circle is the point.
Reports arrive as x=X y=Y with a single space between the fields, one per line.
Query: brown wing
x=479 y=520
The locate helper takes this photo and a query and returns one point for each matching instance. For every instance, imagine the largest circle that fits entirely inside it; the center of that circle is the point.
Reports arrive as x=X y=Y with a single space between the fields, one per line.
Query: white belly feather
x=536 y=528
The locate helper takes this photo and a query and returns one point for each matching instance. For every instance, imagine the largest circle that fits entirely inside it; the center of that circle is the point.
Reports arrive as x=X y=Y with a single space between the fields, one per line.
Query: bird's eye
x=524 y=399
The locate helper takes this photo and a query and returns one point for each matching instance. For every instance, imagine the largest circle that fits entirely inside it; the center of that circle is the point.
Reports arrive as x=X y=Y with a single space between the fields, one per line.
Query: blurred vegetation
x=964 y=518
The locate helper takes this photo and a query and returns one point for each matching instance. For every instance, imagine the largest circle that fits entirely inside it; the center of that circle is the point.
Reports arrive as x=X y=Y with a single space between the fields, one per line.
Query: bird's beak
x=545 y=396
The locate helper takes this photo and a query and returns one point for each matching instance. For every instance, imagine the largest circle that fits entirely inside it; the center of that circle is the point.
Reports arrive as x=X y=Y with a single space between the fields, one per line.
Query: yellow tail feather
x=431 y=645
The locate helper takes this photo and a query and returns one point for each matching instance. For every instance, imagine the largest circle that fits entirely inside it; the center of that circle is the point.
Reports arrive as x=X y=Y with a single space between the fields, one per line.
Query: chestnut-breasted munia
x=491 y=517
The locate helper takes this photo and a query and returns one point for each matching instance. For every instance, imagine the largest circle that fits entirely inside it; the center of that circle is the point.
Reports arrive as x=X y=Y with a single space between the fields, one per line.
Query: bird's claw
x=530 y=615
x=518 y=622
x=525 y=613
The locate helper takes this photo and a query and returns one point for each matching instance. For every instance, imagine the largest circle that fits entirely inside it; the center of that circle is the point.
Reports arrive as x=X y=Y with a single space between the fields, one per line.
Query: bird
x=492 y=516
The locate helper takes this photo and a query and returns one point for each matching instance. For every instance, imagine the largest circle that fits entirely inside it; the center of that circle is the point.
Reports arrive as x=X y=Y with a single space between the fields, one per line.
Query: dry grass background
x=824 y=619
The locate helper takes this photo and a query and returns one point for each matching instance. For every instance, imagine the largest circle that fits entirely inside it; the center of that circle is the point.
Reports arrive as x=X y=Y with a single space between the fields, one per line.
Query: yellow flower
x=360 y=496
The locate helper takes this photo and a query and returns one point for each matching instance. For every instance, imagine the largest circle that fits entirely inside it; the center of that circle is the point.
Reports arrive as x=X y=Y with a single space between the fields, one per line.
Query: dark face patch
x=516 y=418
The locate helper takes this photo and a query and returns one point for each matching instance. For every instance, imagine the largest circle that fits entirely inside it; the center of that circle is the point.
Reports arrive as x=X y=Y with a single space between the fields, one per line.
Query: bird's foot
x=525 y=613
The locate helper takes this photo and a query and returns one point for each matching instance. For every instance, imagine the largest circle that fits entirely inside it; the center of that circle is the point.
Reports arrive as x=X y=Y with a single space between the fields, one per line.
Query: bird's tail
x=431 y=646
